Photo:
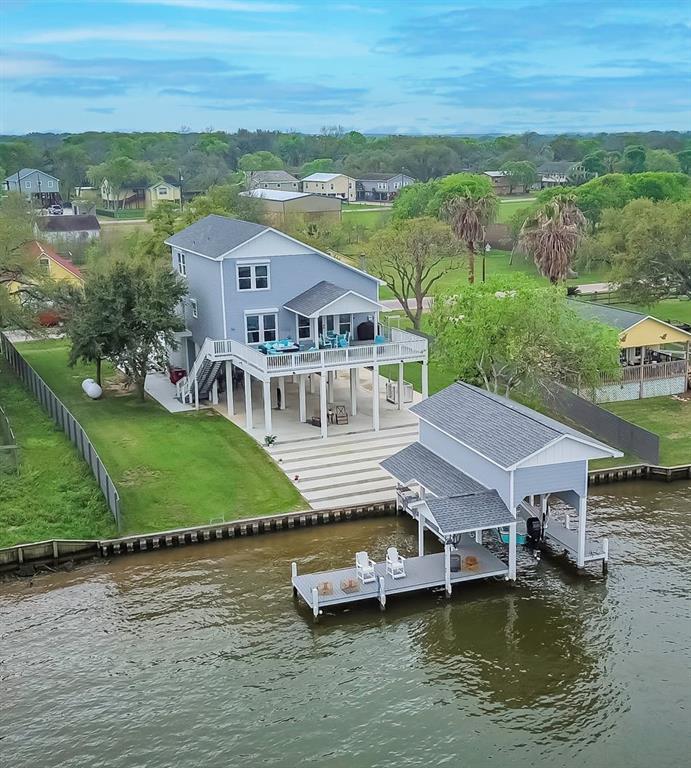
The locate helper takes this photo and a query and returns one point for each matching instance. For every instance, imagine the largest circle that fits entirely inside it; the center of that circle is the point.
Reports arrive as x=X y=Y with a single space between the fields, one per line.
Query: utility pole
x=180 y=180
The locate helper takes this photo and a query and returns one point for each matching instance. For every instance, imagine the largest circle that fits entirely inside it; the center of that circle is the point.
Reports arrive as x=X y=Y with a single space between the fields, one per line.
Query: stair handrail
x=184 y=386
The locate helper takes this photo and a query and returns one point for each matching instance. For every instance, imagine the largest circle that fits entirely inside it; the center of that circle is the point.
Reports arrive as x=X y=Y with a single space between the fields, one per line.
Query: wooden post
x=248 y=402
x=353 y=391
x=322 y=405
x=640 y=386
x=382 y=593
x=375 y=398
x=400 y=386
x=605 y=553
x=512 y=551
x=302 y=398
x=266 y=387
x=196 y=392
x=315 y=603
x=293 y=575
x=478 y=536
x=447 y=568
x=229 y=388
x=582 y=507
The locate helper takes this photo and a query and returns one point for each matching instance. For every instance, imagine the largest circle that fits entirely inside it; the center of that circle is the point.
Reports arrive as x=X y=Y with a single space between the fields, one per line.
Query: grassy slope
x=54 y=494
x=171 y=470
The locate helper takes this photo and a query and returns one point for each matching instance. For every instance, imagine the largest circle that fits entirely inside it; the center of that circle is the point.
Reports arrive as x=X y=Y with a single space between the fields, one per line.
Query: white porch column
x=214 y=392
x=400 y=386
x=582 y=508
x=196 y=392
x=266 y=389
x=375 y=398
x=420 y=534
x=640 y=387
x=282 y=390
x=447 y=568
x=512 y=551
x=302 y=397
x=353 y=391
x=248 y=401
x=314 y=330
x=229 y=388
x=425 y=379
x=311 y=376
x=478 y=536
x=322 y=404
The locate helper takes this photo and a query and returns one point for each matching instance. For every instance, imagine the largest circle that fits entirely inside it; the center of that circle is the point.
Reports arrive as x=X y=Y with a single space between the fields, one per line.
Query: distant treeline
x=212 y=157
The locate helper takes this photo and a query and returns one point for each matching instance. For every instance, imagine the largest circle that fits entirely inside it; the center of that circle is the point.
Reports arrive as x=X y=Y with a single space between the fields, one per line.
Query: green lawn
x=172 y=470
x=507 y=208
x=669 y=310
x=667 y=417
x=54 y=495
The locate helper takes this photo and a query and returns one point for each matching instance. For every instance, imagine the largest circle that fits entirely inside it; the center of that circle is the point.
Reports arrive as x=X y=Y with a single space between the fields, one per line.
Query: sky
x=384 y=66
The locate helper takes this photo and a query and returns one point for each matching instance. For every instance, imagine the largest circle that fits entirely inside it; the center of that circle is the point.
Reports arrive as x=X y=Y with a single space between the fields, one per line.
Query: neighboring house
x=330 y=184
x=68 y=229
x=552 y=180
x=483 y=461
x=141 y=194
x=38 y=186
x=501 y=182
x=57 y=266
x=251 y=286
x=278 y=205
x=654 y=355
x=381 y=186
x=272 y=180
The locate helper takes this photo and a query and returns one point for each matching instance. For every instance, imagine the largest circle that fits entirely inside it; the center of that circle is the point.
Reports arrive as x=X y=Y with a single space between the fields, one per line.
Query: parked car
x=55 y=210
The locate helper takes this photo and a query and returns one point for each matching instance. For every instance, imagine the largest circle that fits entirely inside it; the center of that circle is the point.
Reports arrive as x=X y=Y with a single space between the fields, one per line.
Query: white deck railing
x=648 y=372
x=400 y=346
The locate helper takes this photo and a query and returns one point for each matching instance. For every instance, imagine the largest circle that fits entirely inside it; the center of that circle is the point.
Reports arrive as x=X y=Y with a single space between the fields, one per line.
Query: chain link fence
x=65 y=420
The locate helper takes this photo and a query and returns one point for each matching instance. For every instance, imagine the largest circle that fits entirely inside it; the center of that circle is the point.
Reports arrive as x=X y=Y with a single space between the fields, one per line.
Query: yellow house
x=162 y=191
x=654 y=354
x=331 y=185
x=140 y=195
x=57 y=266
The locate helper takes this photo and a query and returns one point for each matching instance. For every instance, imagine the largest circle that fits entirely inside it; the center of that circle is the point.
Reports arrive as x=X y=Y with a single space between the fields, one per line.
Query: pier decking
x=328 y=589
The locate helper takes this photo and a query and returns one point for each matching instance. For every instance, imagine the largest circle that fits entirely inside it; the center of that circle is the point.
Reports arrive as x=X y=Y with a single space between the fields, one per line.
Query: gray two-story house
x=38 y=186
x=381 y=187
x=264 y=306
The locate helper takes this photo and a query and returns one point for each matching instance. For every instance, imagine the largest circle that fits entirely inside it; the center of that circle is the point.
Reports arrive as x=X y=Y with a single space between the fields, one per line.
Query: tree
x=69 y=164
x=411 y=256
x=684 y=158
x=131 y=317
x=224 y=200
x=120 y=173
x=260 y=161
x=521 y=173
x=413 y=201
x=513 y=332
x=661 y=160
x=459 y=185
x=633 y=159
x=551 y=236
x=468 y=216
x=649 y=247
x=319 y=165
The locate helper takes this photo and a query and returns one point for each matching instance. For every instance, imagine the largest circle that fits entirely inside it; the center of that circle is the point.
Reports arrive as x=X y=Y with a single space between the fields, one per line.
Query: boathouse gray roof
x=419 y=464
x=215 y=235
x=621 y=319
x=501 y=430
x=315 y=298
x=471 y=512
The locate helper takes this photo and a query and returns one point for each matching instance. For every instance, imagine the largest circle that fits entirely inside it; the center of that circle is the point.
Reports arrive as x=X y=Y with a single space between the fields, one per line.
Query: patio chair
x=395 y=564
x=324 y=342
x=379 y=340
x=364 y=568
x=343 y=340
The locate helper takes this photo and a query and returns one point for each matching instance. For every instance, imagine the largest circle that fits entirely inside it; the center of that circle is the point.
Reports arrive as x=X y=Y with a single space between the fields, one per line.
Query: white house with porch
x=274 y=319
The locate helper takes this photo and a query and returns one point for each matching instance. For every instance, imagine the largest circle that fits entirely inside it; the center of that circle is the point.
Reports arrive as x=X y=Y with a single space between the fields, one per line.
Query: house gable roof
x=215 y=235
x=323 y=176
x=271 y=176
x=501 y=430
x=27 y=172
x=322 y=295
x=622 y=319
x=43 y=250
x=279 y=195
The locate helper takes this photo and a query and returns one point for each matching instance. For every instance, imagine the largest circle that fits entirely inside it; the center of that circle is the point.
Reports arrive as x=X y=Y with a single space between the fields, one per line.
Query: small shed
x=279 y=205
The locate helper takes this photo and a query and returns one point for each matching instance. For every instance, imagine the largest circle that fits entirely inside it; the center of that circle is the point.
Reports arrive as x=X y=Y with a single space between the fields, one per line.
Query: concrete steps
x=343 y=470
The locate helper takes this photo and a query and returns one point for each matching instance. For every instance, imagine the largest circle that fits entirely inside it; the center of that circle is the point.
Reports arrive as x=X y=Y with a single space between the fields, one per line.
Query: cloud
x=221 y=5
x=101 y=110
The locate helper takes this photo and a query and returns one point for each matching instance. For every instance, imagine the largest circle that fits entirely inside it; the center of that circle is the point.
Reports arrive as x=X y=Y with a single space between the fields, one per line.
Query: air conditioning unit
x=392 y=392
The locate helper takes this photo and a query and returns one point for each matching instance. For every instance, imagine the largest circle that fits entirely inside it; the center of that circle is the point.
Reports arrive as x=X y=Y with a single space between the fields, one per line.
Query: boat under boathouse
x=482 y=463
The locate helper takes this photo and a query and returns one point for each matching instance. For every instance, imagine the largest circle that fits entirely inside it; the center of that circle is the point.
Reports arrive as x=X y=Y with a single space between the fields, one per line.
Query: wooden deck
x=422 y=573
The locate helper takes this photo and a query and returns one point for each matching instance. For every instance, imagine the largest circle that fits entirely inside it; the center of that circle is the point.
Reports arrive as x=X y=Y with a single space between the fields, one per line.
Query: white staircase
x=344 y=470
x=196 y=385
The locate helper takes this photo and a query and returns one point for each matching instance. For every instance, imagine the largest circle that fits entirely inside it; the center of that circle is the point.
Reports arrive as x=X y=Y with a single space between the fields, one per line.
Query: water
x=198 y=657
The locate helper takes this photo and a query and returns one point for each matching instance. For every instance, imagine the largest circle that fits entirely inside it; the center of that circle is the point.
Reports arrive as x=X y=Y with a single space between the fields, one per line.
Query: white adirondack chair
x=395 y=564
x=364 y=568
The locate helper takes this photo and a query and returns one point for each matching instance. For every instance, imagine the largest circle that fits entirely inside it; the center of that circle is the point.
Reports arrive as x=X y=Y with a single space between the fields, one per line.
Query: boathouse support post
x=512 y=551
x=293 y=575
x=582 y=508
x=302 y=398
x=605 y=555
x=382 y=593
x=447 y=568
x=353 y=391
x=315 y=603
x=478 y=536
x=375 y=398
x=322 y=404
x=229 y=388
x=420 y=534
x=266 y=388
x=248 y=402
x=400 y=385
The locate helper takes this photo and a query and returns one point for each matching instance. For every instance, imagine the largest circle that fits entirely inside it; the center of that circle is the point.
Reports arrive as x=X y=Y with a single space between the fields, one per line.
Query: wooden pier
x=330 y=589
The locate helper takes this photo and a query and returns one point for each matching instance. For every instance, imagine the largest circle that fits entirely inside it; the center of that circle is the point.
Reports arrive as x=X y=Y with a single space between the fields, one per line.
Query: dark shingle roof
x=215 y=235
x=419 y=463
x=271 y=176
x=315 y=298
x=500 y=429
x=458 y=514
x=66 y=223
x=621 y=319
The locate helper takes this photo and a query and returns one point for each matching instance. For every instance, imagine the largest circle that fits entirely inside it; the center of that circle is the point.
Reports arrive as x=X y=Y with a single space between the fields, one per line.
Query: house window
x=344 y=323
x=182 y=267
x=27 y=184
x=50 y=183
x=253 y=277
x=304 y=329
x=163 y=190
x=44 y=261
x=194 y=308
x=260 y=328
x=332 y=186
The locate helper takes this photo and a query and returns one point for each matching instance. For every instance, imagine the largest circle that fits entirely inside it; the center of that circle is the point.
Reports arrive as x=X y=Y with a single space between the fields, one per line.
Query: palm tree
x=551 y=236
x=468 y=216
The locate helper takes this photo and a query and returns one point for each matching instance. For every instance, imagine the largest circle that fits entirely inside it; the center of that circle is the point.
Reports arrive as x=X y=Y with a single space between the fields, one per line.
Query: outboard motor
x=533 y=532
